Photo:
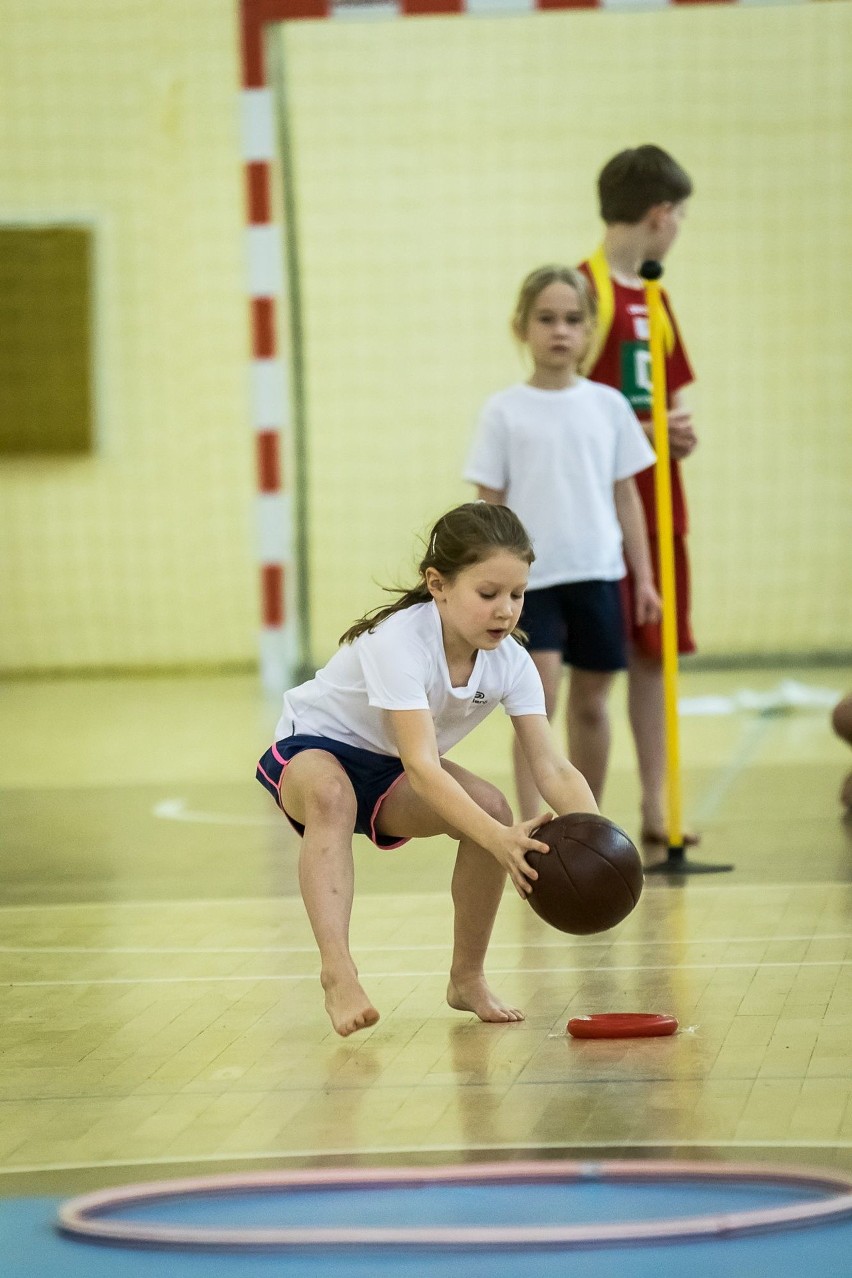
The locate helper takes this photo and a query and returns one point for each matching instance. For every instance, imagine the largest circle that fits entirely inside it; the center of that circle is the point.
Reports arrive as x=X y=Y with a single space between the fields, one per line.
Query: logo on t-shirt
x=479 y=698
x=636 y=374
x=641 y=323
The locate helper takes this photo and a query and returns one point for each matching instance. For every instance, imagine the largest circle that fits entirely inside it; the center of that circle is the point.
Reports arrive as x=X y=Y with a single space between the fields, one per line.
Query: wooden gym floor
x=158 y=995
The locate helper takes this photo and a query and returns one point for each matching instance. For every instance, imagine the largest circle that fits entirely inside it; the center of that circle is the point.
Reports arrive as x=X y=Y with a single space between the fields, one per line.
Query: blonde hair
x=538 y=280
x=463 y=536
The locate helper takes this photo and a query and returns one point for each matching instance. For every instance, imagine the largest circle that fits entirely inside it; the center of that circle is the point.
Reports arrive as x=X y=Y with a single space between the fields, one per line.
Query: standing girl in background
x=360 y=748
x=562 y=452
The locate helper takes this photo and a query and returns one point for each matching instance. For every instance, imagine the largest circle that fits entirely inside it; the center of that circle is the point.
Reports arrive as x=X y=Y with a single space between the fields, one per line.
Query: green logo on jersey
x=636 y=374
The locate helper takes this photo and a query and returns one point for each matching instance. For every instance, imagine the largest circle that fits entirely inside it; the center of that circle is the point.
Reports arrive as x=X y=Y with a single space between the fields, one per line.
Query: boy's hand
x=510 y=848
x=682 y=437
x=649 y=605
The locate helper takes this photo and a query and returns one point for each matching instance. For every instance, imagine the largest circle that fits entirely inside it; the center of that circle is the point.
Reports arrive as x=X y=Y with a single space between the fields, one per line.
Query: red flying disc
x=621 y=1025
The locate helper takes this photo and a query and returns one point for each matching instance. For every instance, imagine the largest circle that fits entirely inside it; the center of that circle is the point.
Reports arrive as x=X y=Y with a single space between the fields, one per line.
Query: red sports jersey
x=625 y=363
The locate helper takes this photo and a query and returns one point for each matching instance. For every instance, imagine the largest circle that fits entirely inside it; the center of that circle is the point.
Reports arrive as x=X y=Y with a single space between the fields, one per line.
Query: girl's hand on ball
x=510 y=850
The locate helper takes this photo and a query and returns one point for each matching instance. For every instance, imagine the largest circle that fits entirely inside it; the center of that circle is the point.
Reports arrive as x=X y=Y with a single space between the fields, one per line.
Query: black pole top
x=651 y=270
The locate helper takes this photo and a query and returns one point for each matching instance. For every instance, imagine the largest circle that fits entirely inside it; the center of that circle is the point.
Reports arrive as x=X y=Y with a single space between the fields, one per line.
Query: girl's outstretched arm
x=414 y=733
x=558 y=781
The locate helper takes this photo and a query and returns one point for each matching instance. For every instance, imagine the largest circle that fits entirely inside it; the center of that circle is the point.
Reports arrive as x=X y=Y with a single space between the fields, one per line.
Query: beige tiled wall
x=436 y=161
x=125 y=117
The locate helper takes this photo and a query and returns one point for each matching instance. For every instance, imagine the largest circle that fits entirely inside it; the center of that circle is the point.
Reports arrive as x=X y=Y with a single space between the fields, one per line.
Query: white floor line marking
x=574 y=943
x=751 y=740
x=381 y=976
x=786 y=697
x=415 y=1151
x=176 y=810
x=229 y=902
x=170 y=902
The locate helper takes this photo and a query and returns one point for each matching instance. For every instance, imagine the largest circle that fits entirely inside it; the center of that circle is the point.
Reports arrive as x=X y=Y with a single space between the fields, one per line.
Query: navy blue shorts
x=583 y=620
x=372 y=776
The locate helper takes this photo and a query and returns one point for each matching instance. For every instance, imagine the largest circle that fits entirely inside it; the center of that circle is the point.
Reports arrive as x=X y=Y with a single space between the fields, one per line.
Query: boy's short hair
x=633 y=181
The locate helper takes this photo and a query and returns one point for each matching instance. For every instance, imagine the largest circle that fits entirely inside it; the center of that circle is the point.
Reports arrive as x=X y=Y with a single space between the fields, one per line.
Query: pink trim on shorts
x=385 y=847
x=374 y=838
x=271 y=782
x=285 y=764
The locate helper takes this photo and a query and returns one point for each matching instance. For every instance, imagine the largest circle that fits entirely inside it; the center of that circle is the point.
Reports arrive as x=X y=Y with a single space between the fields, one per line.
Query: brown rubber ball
x=590 y=879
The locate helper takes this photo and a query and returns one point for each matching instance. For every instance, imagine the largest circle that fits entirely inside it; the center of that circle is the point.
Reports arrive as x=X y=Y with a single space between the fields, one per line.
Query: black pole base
x=677 y=866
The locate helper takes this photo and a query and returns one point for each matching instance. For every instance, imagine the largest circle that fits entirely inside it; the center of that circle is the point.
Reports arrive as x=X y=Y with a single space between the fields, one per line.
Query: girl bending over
x=361 y=748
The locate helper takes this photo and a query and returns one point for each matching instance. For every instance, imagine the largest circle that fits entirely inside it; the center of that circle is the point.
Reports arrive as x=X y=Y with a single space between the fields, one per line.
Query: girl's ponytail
x=465 y=535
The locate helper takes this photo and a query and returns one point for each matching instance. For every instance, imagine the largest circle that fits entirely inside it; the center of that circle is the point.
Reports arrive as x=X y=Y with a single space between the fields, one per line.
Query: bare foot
x=473 y=995
x=348 y=1006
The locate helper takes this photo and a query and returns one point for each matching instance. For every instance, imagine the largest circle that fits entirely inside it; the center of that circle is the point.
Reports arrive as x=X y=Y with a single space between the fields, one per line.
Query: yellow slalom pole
x=651 y=273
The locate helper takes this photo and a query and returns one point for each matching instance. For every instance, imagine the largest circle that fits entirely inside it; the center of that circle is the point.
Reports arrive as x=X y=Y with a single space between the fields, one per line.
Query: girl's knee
x=591 y=713
x=494 y=802
x=333 y=802
x=588 y=698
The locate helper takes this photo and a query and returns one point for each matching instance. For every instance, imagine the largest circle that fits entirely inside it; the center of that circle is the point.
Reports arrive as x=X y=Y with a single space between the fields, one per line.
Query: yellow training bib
x=602 y=280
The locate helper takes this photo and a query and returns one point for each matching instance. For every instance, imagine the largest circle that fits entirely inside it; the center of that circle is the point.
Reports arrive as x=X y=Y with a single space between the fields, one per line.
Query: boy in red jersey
x=643 y=193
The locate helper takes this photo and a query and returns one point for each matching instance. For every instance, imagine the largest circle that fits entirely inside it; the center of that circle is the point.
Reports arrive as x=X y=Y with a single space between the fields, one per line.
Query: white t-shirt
x=402 y=666
x=556 y=454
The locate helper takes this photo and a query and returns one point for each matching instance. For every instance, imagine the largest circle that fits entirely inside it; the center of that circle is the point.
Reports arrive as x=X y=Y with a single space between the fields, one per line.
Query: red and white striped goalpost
x=267 y=287
x=269 y=395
